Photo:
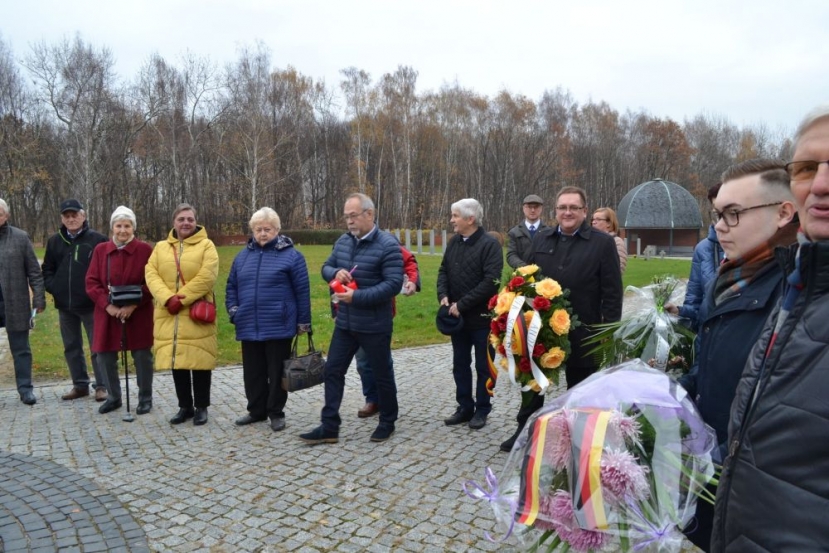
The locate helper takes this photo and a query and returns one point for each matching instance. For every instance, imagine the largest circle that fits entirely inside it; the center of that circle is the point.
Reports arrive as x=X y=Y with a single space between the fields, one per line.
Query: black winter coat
x=468 y=276
x=589 y=267
x=774 y=490
x=65 y=264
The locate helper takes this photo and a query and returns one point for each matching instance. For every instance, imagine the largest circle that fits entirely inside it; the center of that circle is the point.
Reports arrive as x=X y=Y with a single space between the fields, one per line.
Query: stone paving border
x=47 y=507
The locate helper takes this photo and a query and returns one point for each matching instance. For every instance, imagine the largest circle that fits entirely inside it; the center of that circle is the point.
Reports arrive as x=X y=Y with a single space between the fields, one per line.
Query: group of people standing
x=80 y=267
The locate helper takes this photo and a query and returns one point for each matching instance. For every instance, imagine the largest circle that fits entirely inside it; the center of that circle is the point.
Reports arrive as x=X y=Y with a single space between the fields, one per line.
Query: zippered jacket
x=65 y=264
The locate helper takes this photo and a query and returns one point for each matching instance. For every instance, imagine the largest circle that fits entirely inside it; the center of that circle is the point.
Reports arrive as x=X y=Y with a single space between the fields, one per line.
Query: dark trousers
x=701 y=527
x=143 y=361
x=262 y=364
x=367 y=375
x=463 y=342
x=344 y=345
x=573 y=375
x=190 y=385
x=22 y=356
x=71 y=325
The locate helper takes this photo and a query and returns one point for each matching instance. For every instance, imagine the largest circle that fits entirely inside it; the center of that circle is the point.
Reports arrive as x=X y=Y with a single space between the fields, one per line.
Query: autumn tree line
x=230 y=140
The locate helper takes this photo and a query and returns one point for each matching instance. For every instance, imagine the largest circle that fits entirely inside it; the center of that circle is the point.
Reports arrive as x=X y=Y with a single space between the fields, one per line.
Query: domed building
x=661 y=214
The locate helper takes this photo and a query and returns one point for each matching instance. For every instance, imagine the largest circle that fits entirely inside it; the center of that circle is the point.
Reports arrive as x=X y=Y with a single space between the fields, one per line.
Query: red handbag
x=201 y=310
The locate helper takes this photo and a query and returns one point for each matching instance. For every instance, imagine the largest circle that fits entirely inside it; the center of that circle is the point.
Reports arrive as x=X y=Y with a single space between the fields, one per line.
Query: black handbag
x=124 y=294
x=303 y=371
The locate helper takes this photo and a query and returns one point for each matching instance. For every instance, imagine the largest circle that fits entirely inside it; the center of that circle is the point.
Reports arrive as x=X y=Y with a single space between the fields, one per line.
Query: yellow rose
x=548 y=288
x=505 y=300
x=504 y=364
x=552 y=359
x=494 y=340
x=534 y=386
x=527 y=270
x=528 y=317
x=560 y=322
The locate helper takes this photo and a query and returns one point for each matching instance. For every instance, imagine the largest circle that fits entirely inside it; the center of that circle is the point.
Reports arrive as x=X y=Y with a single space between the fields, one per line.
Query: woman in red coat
x=118 y=262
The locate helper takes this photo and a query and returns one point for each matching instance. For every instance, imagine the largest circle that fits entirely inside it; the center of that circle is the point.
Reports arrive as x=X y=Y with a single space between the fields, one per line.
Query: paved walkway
x=74 y=480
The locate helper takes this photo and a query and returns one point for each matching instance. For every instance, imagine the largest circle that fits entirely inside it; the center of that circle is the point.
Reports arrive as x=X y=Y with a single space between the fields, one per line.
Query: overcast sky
x=752 y=61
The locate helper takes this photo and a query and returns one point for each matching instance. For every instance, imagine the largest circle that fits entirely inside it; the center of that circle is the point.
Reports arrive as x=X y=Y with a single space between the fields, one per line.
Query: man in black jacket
x=584 y=261
x=67 y=257
x=467 y=279
x=521 y=235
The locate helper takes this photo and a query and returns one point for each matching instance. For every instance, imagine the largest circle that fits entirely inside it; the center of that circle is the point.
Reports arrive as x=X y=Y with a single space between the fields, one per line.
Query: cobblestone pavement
x=221 y=488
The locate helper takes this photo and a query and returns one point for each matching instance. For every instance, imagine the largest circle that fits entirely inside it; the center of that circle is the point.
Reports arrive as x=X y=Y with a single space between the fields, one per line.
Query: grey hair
x=469 y=207
x=265 y=215
x=4 y=206
x=365 y=201
x=817 y=114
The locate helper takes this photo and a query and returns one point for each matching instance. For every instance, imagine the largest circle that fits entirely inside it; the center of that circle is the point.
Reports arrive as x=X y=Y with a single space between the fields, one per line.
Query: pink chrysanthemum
x=557 y=446
x=623 y=477
x=626 y=427
x=556 y=513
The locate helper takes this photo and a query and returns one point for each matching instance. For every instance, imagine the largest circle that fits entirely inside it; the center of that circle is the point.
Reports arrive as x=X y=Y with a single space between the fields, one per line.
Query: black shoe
x=182 y=415
x=507 y=445
x=144 y=407
x=248 y=419
x=109 y=405
x=382 y=433
x=277 y=424
x=478 y=421
x=459 y=417
x=320 y=435
x=200 y=417
x=28 y=398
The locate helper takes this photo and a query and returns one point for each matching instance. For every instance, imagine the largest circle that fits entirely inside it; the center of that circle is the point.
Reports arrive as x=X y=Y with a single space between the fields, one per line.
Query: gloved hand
x=174 y=304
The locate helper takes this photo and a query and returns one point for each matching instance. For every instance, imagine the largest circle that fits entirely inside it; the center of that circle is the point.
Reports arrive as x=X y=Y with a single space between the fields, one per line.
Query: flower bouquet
x=614 y=464
x=531 y=320
x=648 y=332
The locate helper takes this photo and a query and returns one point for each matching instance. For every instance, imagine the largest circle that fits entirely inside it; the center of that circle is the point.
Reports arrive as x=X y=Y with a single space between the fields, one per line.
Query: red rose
x=493 y=301
x=502 y=322
x=540 y=303
x=494 y=327
x=501 y=349
x=524 y=365
x=515 y=283
x=539 y=350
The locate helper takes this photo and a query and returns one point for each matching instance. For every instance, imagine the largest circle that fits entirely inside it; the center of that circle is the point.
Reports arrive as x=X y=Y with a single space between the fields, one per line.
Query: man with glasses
x=19 y=273
x=371 y=259
x=754 y=213
x=585 y=261
x=521 y=235
x=773 y=493
x=67 y=257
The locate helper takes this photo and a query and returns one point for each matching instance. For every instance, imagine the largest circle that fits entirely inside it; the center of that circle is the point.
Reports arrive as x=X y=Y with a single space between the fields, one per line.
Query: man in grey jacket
x=19 y=272
x=773 y=492
x=521 y=235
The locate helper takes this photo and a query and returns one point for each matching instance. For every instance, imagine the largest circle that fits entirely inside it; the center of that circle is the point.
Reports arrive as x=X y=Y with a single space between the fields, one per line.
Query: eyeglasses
x=803 y=170
x=353 y=216
x=573 y=208
x=594 y=219
x=732 y=216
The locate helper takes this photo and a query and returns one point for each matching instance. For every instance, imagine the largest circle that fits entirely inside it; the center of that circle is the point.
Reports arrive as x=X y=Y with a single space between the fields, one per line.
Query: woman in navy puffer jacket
x=268 y=298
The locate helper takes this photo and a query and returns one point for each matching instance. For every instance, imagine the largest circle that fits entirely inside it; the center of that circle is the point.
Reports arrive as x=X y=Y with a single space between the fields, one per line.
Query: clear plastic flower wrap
x=615 y=464
x=647 y=331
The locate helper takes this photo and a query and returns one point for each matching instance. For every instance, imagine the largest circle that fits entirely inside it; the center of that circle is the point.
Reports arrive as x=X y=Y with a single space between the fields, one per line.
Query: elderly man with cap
x=67 y=257
x=521 y=235
x=19 y=273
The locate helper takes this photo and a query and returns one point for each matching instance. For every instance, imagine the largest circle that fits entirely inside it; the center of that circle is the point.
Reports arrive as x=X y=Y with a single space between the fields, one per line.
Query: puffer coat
x=268 y=293
x=180 y=342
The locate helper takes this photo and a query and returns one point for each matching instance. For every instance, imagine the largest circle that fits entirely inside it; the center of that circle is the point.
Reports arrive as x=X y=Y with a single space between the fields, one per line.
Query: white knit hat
x=123 y=212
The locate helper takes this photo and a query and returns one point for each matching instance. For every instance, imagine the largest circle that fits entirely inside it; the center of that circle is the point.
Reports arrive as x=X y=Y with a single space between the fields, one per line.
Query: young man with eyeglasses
x=753 y=214
x=521 y=235
x=773 y=493
x=585 y=261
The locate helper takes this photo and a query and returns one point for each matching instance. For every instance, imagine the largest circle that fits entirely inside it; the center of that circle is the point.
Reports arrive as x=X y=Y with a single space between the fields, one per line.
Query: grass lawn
x=413 y=326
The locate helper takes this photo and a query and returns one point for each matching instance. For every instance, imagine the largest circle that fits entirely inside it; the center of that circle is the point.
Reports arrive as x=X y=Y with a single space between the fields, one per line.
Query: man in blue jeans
x=19 y=272
x=467 y=279
x=371 y=258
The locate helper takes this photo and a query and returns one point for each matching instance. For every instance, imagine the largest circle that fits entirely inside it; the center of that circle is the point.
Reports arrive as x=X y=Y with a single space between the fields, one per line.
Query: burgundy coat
x=126 y=266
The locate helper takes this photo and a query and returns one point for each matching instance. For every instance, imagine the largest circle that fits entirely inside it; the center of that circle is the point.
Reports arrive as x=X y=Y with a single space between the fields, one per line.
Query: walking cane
x=129 y=416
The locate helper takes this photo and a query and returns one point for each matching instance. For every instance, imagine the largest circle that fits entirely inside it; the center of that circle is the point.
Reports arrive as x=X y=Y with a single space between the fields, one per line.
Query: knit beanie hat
x=123 y=212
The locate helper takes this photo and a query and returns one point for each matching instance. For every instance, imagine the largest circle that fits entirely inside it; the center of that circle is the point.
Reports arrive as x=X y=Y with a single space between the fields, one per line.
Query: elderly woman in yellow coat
x=182 y=270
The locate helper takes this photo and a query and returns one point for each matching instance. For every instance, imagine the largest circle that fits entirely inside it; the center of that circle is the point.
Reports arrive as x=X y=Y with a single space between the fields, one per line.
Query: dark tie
x=532 y=230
